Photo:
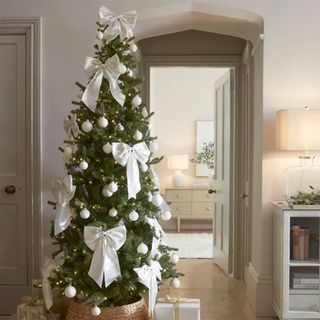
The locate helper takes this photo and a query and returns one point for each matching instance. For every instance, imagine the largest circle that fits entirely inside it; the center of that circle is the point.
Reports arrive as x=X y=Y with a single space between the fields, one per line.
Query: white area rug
x=190 y=245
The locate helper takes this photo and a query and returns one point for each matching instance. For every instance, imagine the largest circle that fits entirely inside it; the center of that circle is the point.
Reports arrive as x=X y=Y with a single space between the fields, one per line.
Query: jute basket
x=133 y=311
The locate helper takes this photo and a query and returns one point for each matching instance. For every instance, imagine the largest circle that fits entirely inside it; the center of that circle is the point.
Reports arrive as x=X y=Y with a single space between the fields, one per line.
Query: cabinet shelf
x=304 y=292
x=304 y=263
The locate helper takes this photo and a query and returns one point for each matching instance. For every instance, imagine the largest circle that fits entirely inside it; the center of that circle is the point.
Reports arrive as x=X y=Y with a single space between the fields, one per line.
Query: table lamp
x=178 y=162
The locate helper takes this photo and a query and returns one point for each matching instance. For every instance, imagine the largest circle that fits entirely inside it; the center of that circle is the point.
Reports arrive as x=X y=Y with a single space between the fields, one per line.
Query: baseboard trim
x=259 y=292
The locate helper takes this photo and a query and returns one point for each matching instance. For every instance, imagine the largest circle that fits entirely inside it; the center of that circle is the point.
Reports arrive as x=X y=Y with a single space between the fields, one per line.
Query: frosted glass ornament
x=103 y=122
x=113 y=212
x=142 y=248
x=174 y=258
x=70 y=291
x=166 y=216
x=85 y=213
x=153 y=147
x=113 y=187
x=106 y=192
x=137 y=135
x=95 y=311
x=133 y=47
x=175 y=283
x=107 y=148
x=83 y=165
x=86 y=126
x=136 y=101
x=144 y=167
x=133 y=215
x=157 y=199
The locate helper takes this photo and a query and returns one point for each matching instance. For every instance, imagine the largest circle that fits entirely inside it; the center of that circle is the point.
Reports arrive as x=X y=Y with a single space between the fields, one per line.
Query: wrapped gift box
x=177 y=309
x=31 y=309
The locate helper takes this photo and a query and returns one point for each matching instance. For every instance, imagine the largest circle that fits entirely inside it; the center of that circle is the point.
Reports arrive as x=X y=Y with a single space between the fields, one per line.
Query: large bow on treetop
x=121 y=25
x=109 y=70
x=148 y=275
x=105 y=263
x=63 y=190
x=129 y=156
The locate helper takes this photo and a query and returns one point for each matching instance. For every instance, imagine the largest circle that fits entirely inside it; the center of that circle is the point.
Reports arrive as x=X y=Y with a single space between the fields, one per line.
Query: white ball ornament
x=174 y=258
x=99 y=35
x=95 y=311
x=133 y=215
x=157 y=199
x=85 y=213
x=113 y=212
x=123 y=68
x=119 y=127
x=86 y=126
x=129 y=72
x=144 y=167
x=70 y=291
x=106 y=192
x=137 y=135
x=142 y=248
x=136 y=101
x=113 y=187
x=107 y=148
x=175 y=283
x=83 y=165
x=67 y=151
x=166 y=216
x=133 y=47
x=102 y=122
x=153 y=147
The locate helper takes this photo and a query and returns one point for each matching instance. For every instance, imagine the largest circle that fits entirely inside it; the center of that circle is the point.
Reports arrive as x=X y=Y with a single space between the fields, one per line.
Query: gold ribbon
x=28 y=306
x=175 y=305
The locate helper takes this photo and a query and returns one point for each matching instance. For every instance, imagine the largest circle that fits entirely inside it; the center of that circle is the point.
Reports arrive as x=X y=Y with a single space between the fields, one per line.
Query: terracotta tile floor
x=221 y=297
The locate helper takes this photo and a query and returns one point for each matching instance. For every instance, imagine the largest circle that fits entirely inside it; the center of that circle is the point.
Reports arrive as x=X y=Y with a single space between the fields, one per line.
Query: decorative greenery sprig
x=305 y=198
x=206 y=156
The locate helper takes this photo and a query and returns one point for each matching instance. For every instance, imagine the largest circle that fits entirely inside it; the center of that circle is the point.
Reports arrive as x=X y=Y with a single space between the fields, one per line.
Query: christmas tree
x=106 y=227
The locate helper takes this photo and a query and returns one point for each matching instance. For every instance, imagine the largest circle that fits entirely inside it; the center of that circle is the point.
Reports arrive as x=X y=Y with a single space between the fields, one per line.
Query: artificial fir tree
x=106 y=226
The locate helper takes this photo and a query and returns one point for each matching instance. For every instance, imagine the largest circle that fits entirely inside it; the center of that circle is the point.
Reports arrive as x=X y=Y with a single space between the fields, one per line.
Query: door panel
x=222 y=251
x=13 y=142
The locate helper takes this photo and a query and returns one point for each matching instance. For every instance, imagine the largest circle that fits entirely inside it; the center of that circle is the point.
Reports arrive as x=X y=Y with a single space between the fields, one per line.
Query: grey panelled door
x=13 y=145
x=222 y=236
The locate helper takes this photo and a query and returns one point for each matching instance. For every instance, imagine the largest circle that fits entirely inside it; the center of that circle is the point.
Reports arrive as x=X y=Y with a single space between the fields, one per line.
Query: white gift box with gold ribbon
x=177 y=309
x=31 y=309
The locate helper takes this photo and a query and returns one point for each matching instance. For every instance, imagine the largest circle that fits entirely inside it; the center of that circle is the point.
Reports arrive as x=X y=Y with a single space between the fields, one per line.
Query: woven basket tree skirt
x=133 y=311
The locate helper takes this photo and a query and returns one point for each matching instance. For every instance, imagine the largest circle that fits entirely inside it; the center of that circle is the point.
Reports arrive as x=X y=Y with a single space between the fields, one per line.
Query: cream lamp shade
x=178 y=162
x=298 y=130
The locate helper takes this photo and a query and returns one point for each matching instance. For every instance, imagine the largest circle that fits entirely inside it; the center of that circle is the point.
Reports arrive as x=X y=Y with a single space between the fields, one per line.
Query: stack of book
x=305 y=280
x=299 y=245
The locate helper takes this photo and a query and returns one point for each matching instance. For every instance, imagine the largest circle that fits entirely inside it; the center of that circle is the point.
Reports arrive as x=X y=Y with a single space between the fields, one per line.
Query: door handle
x=10 y=189
x=211 y=191
x=244 y=195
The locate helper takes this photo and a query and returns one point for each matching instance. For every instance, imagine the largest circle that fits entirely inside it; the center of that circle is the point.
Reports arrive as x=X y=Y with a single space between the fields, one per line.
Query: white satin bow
x=109 y=70
x=153 y=222
x=71 y=127
x=46 y=270
x=105 y=263
x=129 y=156
x=148 y=275
x=121 y=25
x=63 y=191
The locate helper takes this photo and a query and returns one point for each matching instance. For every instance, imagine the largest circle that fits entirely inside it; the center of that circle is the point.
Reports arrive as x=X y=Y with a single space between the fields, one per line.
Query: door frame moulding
x=224 y=61
x=31 y=29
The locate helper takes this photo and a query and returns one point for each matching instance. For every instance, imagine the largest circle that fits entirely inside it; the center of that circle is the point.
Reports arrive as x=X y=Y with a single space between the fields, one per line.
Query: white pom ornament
x=136 y=101
x=83 y=165
x=102 y=122
x=85 y=213
x=174 y=258
x=107 y=148
x=106 y=192
x=142 y=248
x=144 y=167
x=157 y=199
x=123 y=68
x=133 y=47
x=70 y=291
x=137 y=135
x=166 y=216
x=175 y=283
x=113 y=187
x=113 y=212
x=133 y=215
x=95 y=311
x=153 y=147
x=86 y=126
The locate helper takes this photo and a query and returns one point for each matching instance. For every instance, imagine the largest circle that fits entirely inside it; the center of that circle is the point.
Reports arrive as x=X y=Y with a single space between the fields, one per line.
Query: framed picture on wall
x=205 y=134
